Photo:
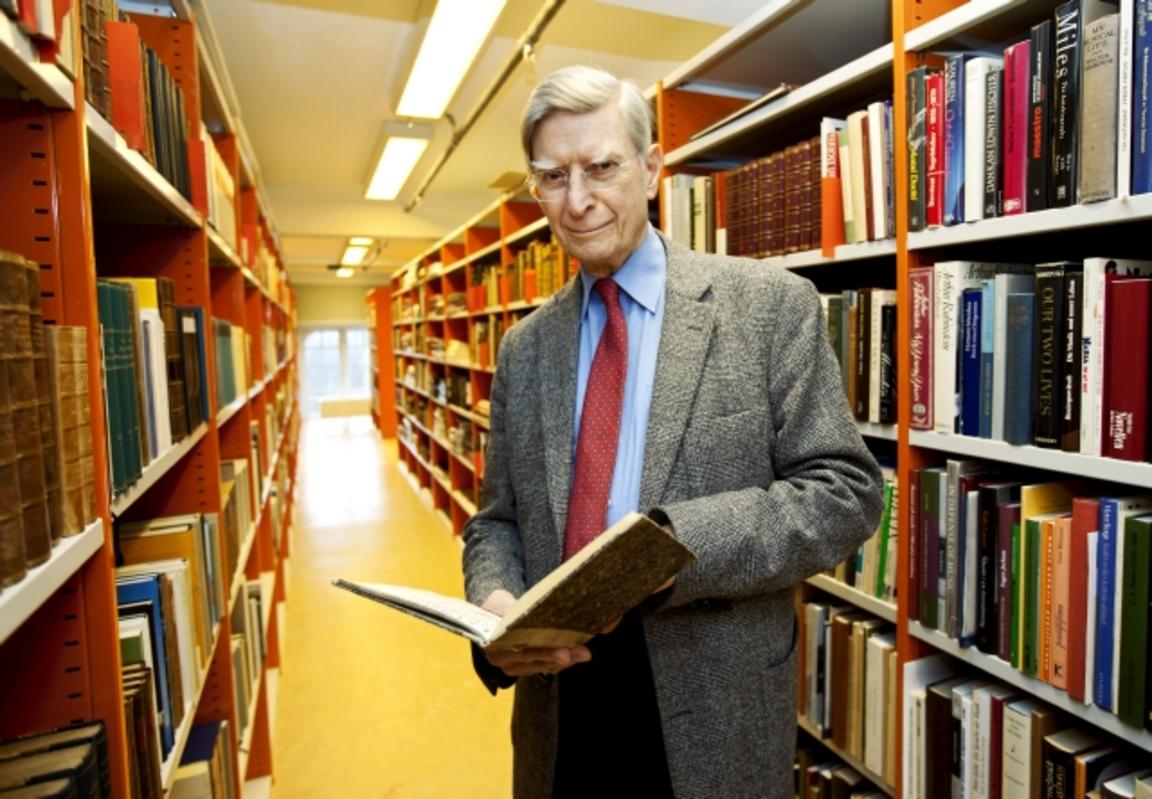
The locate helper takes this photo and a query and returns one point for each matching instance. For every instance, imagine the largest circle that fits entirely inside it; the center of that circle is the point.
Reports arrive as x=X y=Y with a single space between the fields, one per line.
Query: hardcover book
x=622 y=566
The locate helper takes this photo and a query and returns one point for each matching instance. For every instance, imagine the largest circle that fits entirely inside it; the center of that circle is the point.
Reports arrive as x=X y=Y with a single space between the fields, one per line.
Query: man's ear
x=654 y=161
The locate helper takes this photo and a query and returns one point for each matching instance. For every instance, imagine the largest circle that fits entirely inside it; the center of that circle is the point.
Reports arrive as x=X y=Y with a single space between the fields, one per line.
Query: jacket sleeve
x=827 y=493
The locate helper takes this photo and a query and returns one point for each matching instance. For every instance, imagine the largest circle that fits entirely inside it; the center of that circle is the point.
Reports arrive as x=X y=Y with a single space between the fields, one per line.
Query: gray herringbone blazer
x=752 y=454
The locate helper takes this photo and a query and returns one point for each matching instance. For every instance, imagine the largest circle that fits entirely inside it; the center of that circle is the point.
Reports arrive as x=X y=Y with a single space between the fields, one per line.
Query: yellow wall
x=331 y=305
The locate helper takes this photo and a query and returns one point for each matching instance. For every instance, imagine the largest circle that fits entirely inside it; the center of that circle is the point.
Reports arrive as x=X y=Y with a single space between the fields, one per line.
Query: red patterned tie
x=599 y=426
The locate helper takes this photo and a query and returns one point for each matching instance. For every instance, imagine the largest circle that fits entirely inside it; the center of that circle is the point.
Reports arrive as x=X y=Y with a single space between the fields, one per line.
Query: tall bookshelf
x=378 y=307
x=84 y=205
x=838 y=57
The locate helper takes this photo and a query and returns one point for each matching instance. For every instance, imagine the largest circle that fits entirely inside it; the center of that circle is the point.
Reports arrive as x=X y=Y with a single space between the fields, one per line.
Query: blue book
x=954 y=138
x=971 y=334
x=987 y=354
x=201 y=742
x=142 y=593
x=1141 y=86
x=1018 y=369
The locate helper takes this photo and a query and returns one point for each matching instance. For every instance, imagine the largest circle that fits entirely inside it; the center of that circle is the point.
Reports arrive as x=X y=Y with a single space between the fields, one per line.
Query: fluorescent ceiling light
x=396 y=164
x=361 y=241
x=453 y=38
x=345 y=271
x=353 y=255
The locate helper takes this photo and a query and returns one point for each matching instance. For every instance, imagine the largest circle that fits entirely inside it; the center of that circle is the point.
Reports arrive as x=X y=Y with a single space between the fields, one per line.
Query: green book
x=1029 y=643
x=1133 y=650
x=1017 y=535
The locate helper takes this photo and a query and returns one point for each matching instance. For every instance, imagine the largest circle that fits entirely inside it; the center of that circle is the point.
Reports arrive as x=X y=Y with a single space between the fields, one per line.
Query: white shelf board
x=157 y=469
x=107 y=143
x=956 y=21
x=1053 y=696
x=220 y=251
x=877 y=607
x=19 y=59
x=528 y=230
x=241 y=562
x=1107 y=469
x=877 y=61
x=1125 y=209
x=847 y=757
x=21 y=600
x=844 y=253
x=888 y=432
x=231 y=409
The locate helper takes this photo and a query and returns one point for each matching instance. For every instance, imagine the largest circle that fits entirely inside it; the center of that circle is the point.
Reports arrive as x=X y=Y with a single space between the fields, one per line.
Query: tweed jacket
x=752 y=455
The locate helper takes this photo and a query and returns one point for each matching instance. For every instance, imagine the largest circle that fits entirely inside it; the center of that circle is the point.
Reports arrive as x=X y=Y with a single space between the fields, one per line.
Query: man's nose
x=577 y=194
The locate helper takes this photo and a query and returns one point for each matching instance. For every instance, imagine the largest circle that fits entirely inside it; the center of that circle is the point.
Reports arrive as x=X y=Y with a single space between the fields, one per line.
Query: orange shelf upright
x=680 y=113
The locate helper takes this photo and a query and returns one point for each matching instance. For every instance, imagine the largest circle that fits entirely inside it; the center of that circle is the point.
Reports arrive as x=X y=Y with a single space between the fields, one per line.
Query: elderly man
x=701 y=390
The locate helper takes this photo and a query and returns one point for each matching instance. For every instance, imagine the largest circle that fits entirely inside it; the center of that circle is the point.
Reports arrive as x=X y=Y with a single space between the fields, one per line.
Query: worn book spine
x=1039 y=81
x=920 y=347
x=12 y=558
x=993 y=163
x=1097 y=161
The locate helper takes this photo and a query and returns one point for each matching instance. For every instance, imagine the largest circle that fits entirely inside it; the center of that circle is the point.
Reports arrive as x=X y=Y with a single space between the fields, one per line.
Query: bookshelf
x=78 y=199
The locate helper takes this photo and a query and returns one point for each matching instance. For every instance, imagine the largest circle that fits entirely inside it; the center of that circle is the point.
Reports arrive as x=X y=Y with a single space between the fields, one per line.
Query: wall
x=331 y=305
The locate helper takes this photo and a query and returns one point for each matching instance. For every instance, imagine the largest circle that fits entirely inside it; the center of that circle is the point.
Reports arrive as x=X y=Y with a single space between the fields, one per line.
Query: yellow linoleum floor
x=372 y=703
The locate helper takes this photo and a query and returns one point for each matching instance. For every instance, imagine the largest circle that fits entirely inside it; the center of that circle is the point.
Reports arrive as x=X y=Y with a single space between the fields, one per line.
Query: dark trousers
x=610 y=734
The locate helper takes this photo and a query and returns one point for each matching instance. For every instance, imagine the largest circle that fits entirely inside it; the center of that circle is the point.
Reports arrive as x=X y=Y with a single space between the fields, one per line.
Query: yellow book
x=1036 y=500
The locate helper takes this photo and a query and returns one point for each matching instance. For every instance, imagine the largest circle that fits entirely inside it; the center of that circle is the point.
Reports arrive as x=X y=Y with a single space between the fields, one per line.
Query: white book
x=1092 y=346
x=815 y=618
x=1090 y=637
x=846 y=196
x=1124 y=99
x=1016 y=774
x=962 y=713
x=855 y=174
x=918 y=675
x=975 y=81
x=949 y=281
x=700 y=221
x=876 y=158
x=1004 y=284
x=983 y=759
x=968 y=578
x=876 y=700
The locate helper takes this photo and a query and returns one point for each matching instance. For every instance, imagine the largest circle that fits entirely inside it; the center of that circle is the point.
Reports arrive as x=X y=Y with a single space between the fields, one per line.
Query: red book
x=1126 y=352
x=934 y=150
x=1085 y=520
x=1015 y=127
x=920 y=346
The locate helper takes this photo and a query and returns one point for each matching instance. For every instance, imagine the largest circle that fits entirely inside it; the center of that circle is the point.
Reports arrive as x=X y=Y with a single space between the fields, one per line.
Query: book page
x=451 y=613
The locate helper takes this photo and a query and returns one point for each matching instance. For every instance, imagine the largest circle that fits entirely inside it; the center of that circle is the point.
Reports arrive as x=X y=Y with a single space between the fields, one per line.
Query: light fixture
x=361 y=241
x=345 y=271
x=354 y=255
x=453 y=39
x=403 y=147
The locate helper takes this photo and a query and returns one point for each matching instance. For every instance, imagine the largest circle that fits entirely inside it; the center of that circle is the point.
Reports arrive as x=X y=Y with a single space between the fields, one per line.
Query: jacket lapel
x=685 y=334
x=557 y=375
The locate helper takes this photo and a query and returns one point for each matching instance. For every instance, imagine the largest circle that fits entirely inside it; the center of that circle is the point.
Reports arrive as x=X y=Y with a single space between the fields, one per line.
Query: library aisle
x=372 y=703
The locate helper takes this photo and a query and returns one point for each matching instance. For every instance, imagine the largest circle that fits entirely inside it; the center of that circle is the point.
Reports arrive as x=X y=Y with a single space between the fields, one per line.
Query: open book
x=614 y=573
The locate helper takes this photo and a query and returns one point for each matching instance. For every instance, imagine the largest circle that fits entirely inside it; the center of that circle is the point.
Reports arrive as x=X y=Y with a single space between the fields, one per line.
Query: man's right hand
x=527 y=662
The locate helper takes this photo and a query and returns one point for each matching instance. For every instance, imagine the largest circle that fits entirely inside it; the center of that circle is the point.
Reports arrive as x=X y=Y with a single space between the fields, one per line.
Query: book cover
x=955 y=94
x=1048 y=355
x=831 y=207
x=1141 y=91
x=934 y=148
x=1004 y=285
x=1014 y=128
x=920 y=281
x=1007 y=569
x=1019 y=315
x=1085 y=520
x=993 y=147
x=992 y=497
x=1131 y=690
x=970 y=360
x=1127 y=350
x=1124 y=98
x=1072 y=358
x=987 y=353
x=622 y=566
x=976 y=72
x=1065 y=97
x=1096 y=163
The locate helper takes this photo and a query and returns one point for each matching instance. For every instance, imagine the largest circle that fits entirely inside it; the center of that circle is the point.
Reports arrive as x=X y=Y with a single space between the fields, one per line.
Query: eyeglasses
x=551 y=184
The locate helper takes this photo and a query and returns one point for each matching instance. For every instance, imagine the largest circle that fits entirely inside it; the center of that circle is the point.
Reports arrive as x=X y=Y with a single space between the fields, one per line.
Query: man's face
x=598 y=225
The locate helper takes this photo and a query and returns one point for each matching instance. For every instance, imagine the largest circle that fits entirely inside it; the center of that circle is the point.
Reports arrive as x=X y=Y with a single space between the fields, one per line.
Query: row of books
x=537 y=271
x=47 y=471
x=221 y=191
x=857 y=157
x=848 y=669
x=69 y=762
x=872 y=569
x=1051 y=577
x=1055 y=355
x=233 y=361
x=208 y=766
x=136 y=92
x=820 y=774
x=1058 y=118
x=967 y=736
x=156 y=384
x=862 y=330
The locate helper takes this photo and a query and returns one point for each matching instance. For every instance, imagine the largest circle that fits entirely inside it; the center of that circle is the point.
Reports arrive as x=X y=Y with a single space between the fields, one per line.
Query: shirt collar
x=641 y=276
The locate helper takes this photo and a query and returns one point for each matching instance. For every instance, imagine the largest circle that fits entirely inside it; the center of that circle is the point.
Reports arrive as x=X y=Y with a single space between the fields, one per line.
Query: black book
x=10 y=8
x=1047 y=355
x=988 y=567
x=1070 y=369
x=888 y=364
x=863 y=350
x=917 y=109
x=1040 y=76
x=993 y=180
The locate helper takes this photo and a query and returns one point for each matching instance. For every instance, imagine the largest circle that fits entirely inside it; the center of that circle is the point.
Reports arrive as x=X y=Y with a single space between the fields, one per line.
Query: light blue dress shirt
x=642 y=279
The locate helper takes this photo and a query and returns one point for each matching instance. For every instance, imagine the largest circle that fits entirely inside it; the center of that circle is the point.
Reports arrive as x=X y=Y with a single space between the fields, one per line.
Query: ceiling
x=316 y=81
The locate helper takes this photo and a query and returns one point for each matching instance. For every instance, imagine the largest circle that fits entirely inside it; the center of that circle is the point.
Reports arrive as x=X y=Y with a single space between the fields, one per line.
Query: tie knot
x=608 y=290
